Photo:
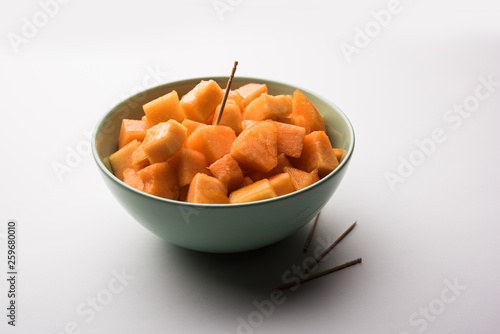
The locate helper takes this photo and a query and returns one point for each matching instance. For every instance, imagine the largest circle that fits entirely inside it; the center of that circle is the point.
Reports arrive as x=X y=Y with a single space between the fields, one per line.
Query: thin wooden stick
x=311 y=232
x=321 y=273
x=329 y=248
x=226 y=93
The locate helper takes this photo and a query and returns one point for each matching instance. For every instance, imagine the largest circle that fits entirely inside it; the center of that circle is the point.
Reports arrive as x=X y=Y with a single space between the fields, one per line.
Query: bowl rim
x=306 y=92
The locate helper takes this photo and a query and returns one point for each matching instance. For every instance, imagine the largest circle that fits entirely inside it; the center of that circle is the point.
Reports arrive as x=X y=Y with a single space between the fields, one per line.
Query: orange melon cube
x=139 y=158
x=256 y=191
x=246 y=181
x=231 y=116
x=317 y=153
x=282 y=184
x=122 y=159
x=282 y=162
x=131 y=178
x=163 y=140
x=285 y=120
x=131 y=129
x=305 y=114
x=207 y=189
x=164 y=108
x=268 y=107
x=256 y=148
x=251 y=91
x=339 y=154
x=159 y=179
x=236 y=97
x=214 y=141
x=227 y=170
x=301 y=179
x=246 y=123
x=188 y=163
x=199 y=103
x=290 y=139
x=190 y=126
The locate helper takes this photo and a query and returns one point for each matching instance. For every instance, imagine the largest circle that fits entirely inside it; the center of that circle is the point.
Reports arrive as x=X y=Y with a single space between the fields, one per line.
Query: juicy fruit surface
x=122 y=159
x=317 y=153
x=132 y=129
x=159 y=180
x=164 y=108
x=251 y=91
x=256 y=191
x=207 y=190
x=256 y=148
x=305 y=114
x=163 y=140
x=188 y=163
x=214 y=141
x=263 y=147
x=269 y=107
x=228 y=171
x=200 y=103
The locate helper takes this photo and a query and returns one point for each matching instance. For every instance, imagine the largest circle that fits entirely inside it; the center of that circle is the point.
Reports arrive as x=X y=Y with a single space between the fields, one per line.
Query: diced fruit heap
x=264 y=146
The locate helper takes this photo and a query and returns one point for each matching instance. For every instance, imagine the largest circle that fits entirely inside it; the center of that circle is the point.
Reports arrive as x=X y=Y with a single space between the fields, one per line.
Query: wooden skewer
x=311 y=232
x=321 y=273
x=329 y=248
x=226 y=93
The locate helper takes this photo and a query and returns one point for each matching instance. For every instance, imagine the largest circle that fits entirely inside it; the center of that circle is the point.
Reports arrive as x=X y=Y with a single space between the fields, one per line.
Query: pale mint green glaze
x=229 y=227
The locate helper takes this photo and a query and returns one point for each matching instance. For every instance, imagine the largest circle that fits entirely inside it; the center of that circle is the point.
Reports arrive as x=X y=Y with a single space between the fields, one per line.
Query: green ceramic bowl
x=221 y=228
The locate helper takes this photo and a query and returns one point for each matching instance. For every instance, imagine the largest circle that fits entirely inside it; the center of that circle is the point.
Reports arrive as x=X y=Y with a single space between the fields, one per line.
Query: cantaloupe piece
x=188 y=163
x=268 y=107
x=251 y=91
x=285 y=120
x=207 y=189
x=231 y=116
x=139 y=158
x=131 y=178
x=122 y=159
x=163 y=140
x=317 y=153
x=227 y=170
x=246 y=181
x=164 y=108
x=131 y=129
x=282 y=184
x=256 y=191
x=199 y=103
x=256 y=148
x=246 y=123
x=190 y=126
x=339 y=154
x=214 y=141
x=301 y=179
x=160 y=180
x=145 y=120
x=305 y=114
x=282 y=162
x=290 y=139
x=236 y=97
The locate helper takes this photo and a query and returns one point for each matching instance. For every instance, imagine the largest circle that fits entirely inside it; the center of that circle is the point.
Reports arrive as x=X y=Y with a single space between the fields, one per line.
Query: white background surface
x=439 y=225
